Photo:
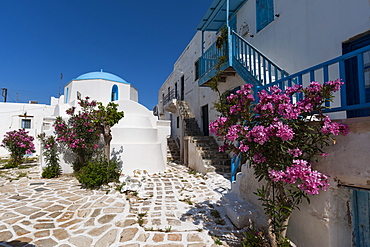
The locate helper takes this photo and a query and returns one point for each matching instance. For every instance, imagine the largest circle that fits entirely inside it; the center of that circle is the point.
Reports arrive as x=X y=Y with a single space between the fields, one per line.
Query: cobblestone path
x=175 y=208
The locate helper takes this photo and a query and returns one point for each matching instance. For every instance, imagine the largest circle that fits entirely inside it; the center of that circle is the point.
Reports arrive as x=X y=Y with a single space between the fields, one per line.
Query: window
x=26 y=123
x=114 y=95
x=66 y=97
x=78 y=95
x=264 y=13
x=178 y=122
x=196 y=65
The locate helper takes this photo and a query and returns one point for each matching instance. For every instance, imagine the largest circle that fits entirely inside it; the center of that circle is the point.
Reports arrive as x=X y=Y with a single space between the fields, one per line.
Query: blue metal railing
x=251 y=64
x=208 y=61
x=255 y=62
x=332 y=70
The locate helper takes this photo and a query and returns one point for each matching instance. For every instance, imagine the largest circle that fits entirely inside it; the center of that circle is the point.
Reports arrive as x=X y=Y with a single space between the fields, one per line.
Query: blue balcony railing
x=355 y=64
x=255 y=62
x=208 y=61
x=251 y=64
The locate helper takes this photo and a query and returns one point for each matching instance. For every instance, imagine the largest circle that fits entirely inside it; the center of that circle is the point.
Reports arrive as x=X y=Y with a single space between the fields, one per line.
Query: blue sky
x=136 y=40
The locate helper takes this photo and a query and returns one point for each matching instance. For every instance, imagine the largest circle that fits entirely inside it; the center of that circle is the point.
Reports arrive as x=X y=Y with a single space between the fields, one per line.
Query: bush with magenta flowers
x=18 y=143
x=280 y=138
x=50 y=153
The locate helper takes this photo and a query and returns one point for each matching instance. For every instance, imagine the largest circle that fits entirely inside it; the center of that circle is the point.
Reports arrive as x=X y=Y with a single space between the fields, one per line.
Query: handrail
x=170 y=96
x=209 y=59
x=254 y=48
x=255 y=62
x=331 y=70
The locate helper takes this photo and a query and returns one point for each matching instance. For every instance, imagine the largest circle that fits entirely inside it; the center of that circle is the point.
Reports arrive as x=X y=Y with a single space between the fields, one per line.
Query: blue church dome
x=101 y=75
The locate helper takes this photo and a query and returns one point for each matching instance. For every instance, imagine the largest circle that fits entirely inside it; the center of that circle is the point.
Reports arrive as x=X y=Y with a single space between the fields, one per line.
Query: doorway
x=205 y=120
x=352 y=79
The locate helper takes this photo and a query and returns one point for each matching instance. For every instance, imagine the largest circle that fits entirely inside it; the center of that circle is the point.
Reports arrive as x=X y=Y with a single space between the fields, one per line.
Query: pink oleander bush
x=51 y=157
x=18 y=143
x=79 y=132
x=281 y=139
x=83 y=131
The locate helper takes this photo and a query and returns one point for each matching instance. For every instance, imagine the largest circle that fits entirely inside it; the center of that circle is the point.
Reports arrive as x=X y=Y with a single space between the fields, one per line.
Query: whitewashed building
x=137 y=133
x=286 y=42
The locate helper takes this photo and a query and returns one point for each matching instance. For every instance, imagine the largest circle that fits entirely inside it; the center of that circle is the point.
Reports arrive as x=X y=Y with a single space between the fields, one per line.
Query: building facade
x=286 y=42
x=137 y=133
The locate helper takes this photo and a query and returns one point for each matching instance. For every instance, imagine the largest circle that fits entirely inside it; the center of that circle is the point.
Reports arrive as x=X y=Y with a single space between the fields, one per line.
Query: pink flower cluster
x=18 y=142
x=310 y=181
x=333 y=127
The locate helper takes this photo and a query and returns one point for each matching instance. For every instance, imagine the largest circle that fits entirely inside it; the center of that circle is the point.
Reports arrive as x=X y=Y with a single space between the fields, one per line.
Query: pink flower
x=295 y=152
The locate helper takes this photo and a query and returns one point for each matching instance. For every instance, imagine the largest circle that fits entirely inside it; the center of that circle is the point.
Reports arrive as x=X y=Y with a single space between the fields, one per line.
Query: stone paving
x=176 y=208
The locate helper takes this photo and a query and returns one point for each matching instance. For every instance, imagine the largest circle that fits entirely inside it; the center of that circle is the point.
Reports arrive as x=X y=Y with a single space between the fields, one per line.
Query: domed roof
x=101 y=75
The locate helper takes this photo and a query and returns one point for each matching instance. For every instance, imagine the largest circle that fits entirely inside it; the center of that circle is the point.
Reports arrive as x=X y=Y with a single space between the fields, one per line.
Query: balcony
x=169 y=101
x=239 y=56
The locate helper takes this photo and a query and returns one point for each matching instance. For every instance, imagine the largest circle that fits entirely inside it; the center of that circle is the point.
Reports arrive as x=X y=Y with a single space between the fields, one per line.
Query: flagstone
x=46 y=225
x=19 y=230
x=113 y=210
x=96 y=212
x=70 y=223
x=106 y=218
x=55 y=208
x=81 y=241
x=55 y=214
x=42 y=234
x=83 y=213
x=42 y=204
x=108 y=239
x=6 y=235
x=143 y=237
x=37 y=215
x=194 y=237
x=99 y=231
x=14 y=220
x=125 y=223
x=158 y=237
x=60 y=234
x=174 y=237
x=66 y=216
x=27 y=210
x=128 y=234
x=8 y=216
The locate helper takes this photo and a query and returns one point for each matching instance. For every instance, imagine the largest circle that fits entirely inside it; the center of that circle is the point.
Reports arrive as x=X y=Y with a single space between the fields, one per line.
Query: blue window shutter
x=264 y=13
x=361 y=217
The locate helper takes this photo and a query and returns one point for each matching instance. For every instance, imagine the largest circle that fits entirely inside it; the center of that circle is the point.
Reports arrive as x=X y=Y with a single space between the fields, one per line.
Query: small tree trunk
x=107 y=139
x=271 y=234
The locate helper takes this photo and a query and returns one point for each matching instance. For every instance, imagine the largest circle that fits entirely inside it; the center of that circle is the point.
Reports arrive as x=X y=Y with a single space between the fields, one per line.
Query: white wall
x=307 y=32
x=99 y=89
x=11 y=119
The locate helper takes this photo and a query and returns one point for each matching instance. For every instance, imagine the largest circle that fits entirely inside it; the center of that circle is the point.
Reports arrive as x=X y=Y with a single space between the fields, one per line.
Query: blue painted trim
x=102 y=79
x=114 y=95
x=235 y=163
x=66 y=95
x=340 y=62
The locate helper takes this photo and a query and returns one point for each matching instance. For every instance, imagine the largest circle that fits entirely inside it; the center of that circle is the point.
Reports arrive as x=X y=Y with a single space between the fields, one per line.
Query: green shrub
x=51 y=171
x=50 y=152
x=98 y=172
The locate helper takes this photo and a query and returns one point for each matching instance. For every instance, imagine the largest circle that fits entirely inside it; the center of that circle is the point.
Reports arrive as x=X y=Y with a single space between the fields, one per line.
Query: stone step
x=239 y=211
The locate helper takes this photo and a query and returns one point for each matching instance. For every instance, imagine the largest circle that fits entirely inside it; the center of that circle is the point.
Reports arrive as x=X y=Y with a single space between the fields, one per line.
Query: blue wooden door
x=361 y=218
x=352 y=80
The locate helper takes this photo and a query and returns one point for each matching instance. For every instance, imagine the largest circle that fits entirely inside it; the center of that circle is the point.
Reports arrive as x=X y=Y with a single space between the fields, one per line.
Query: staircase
x=173 y=151
x=206 y=146
x=246 y=60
